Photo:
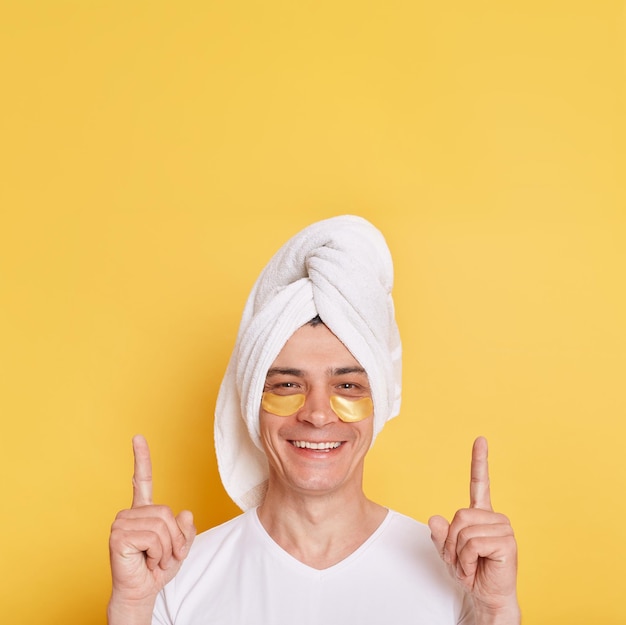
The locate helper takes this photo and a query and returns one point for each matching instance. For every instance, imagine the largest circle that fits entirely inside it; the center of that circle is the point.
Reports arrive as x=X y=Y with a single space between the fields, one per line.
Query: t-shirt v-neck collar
x=278 y=552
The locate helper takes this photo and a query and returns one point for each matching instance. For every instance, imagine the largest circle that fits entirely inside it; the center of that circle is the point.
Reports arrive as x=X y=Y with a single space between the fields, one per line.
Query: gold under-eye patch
x=348 y=410
x=282 y=405
x=351 y=410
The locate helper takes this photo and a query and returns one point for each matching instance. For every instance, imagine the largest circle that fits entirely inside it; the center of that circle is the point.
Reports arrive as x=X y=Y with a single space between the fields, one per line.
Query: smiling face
x=312 y=451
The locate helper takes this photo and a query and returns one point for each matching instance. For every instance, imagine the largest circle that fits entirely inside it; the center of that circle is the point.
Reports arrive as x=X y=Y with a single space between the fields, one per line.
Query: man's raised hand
x=479 y=548
x=147 y=546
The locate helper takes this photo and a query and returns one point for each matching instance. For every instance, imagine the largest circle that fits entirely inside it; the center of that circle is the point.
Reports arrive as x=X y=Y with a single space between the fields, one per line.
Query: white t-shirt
x=236 y=574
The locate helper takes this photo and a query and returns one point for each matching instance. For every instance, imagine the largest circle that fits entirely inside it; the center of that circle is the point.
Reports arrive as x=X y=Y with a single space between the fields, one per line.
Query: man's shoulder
x=220 y=537
x=400 y=522
x=402 y=534
x=224 y=530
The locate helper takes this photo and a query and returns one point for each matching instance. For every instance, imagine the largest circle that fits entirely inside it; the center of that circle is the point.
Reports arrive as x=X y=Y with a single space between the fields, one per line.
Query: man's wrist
x=509 y=615
x=124 y=612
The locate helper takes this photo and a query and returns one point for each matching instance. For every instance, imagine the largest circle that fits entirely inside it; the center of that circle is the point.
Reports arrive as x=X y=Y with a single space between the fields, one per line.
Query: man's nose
x=317 y=410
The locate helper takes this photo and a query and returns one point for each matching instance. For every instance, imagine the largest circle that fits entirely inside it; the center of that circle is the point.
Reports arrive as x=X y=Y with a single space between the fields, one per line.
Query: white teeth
x=309 y=445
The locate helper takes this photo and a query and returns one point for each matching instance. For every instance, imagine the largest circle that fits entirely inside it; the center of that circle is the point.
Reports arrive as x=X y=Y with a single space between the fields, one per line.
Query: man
x=314 y=376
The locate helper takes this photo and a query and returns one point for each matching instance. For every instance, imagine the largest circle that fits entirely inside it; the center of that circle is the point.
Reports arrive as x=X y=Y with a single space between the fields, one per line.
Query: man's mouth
x=317 y=446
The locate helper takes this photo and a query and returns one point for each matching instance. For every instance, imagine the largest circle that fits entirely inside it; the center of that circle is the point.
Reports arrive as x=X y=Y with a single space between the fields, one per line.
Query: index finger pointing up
x=480 y=496
x=142 y=476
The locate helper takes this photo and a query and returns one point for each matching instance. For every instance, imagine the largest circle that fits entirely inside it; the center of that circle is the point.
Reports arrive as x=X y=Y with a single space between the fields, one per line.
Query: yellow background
x=155 y=154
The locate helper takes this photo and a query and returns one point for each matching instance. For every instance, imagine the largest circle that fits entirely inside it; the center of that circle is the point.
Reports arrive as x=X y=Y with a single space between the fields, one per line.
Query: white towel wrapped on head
x=341 y=270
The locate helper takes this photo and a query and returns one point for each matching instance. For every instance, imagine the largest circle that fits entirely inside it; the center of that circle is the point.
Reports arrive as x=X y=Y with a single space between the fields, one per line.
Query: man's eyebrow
x=285 y=371
x=348 y=370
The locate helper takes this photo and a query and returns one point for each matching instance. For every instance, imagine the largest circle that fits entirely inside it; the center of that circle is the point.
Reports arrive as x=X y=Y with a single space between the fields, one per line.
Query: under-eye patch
x=348 y=410
x=351 y=410
x=282 y=405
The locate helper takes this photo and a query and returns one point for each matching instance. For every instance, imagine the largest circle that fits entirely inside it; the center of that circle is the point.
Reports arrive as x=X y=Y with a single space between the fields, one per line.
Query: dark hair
x=316 y=321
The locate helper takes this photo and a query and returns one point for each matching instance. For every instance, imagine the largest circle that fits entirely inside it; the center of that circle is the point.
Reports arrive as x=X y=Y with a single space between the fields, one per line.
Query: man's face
x=312 y=450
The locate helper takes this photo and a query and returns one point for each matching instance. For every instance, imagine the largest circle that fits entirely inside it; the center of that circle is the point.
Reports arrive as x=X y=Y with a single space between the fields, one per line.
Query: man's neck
x=320 y=531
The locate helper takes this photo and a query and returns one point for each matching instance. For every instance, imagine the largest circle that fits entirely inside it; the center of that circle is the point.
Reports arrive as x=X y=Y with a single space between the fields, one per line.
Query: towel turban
x=341 y=270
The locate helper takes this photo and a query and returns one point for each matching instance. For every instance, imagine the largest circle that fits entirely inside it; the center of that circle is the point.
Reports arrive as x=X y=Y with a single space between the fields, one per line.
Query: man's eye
x=352 y=389
x=282 y=387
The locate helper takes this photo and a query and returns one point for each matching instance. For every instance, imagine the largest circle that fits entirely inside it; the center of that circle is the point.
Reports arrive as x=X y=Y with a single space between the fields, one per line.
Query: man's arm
x=147 y=547
x=479 y=548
